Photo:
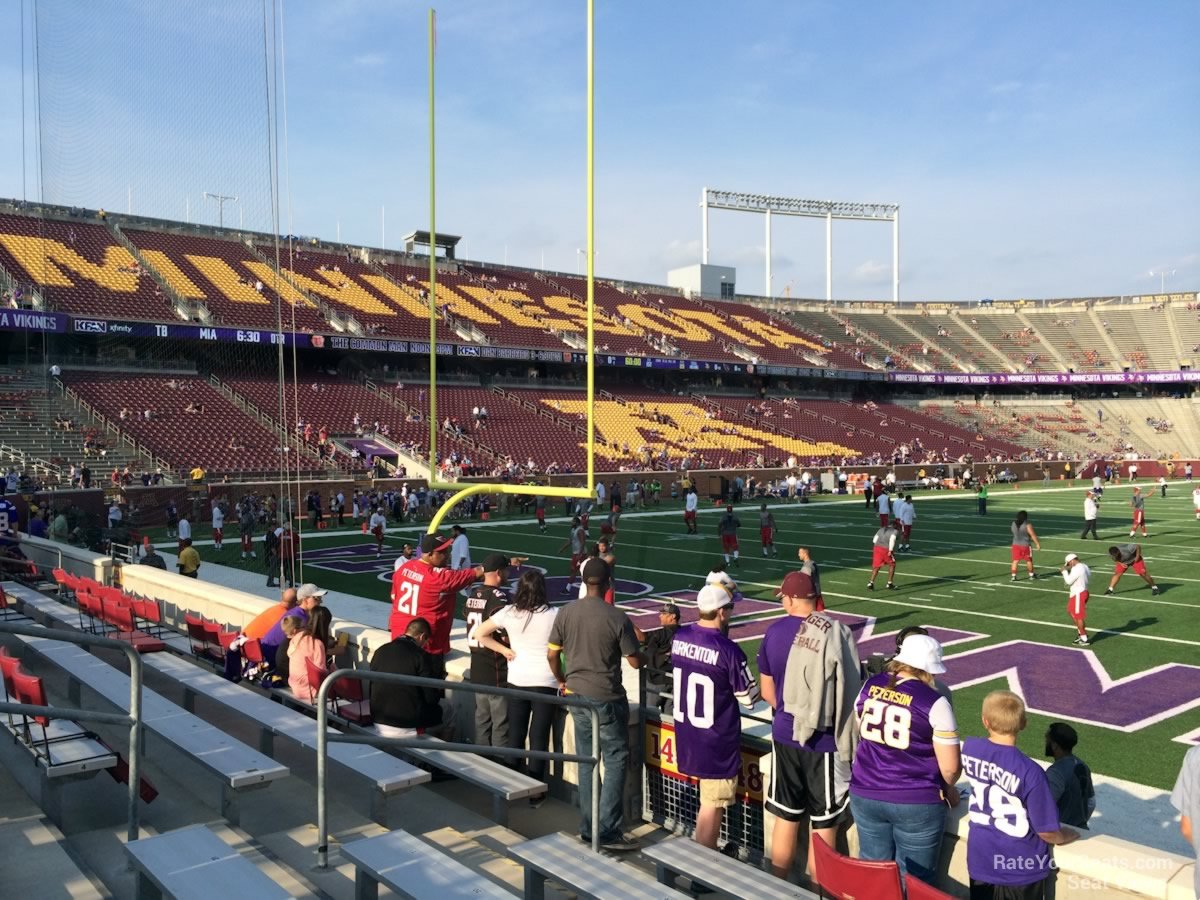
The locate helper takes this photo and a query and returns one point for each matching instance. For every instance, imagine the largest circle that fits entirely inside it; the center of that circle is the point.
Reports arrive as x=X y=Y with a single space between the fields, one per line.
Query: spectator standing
x=1069 y=777
x=587 y=642
x=460 y=549
x=151 y=557
x=527 y=622
x=907 y=761
x=711 y=679
x=1186 y=798
x=172 y=519
x=810 y=778
x=488 y=668
x=1013 y=817
x=403 y=710
x=656 y=647
x=188 y=561
x=1091 y=511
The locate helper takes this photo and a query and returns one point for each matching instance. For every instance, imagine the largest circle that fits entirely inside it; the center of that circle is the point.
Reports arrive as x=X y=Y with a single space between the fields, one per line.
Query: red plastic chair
x=196 y=633
x=919 y=890
x=28 y=689
x=316 y=676
x=348 y=699
x=149 y=612
x=9 y=665
x=844 y=878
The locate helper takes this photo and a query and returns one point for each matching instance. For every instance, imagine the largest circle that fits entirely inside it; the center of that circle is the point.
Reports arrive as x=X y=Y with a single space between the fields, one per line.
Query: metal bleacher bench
x=237 y=767
x=682 y=856
x=563 y=859
x=414 y=869
x=387 y=775
x=194 y=864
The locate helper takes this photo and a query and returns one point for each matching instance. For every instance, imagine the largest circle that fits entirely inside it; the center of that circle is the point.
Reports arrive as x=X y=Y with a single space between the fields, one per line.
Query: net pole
x=432 y=254
x=591 y=246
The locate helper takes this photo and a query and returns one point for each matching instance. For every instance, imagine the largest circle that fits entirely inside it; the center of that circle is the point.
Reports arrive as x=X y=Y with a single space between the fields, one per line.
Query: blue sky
x=1035 y=149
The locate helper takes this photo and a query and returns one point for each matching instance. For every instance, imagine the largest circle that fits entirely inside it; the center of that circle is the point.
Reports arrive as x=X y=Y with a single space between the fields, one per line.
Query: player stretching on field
x=766 y=530
x=1138 y=502
x=1129 y=556
x=1023 y=536
x=884 y=543
x=1076 y=575
x=577 y=540
x=727 y=528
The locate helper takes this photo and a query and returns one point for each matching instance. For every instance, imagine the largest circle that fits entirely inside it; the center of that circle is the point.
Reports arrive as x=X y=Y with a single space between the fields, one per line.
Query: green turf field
x=1134 y=698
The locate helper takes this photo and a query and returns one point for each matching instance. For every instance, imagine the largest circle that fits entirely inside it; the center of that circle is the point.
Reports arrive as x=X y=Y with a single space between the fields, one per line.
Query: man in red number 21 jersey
x=424 y=588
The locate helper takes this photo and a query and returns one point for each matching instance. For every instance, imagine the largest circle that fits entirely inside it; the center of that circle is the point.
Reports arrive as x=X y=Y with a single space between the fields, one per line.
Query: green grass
x=957 y=555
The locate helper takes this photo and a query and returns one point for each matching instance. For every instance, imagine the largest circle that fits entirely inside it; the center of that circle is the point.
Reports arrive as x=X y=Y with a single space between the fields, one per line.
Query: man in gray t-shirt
x=1070 y=778
x=586 y=644
x=1186 y=799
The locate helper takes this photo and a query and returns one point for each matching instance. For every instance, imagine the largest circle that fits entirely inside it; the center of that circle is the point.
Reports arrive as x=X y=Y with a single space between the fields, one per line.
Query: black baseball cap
x=670 y=609
x=596 y=571
x=495 y=562
x=431 y=543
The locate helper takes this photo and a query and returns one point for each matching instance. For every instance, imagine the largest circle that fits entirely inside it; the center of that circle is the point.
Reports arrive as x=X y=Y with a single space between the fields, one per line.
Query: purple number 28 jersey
x=711 y=680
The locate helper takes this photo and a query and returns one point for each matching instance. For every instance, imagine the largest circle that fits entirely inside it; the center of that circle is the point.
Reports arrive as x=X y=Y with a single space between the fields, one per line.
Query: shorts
x=884 y=520
x=767 y=535
x=610 y=596
x=576 y=559
x=1077 y=605
x=882 y=557
x=718 y=792
x=1138 y=567
x=1019 y=553
x=616 y=509
x=541 y=515
x=218 y=534
x=729 y=542
x=804 y=783
x=378 y=532
x=1139 y=517
x=983 y=891
x=690 y=516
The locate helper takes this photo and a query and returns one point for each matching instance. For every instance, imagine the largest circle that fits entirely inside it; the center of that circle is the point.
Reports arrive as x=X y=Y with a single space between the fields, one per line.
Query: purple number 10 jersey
x=711 y=679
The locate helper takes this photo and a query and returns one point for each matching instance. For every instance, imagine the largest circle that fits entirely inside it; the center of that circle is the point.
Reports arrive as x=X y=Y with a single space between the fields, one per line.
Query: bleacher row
x=90 y=268
x=706 y=434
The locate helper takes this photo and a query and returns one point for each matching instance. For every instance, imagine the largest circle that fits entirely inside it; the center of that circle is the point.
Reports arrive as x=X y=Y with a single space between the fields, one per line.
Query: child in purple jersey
x=1013 y=817
x=711 y=678
x=907 y=760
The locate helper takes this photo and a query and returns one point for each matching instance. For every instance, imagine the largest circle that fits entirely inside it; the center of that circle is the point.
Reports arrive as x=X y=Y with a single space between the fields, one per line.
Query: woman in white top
x=526 y=621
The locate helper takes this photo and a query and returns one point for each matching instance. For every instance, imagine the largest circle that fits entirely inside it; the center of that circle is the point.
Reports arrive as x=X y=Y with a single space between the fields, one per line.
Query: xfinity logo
x=91 y=326
x=119 y=329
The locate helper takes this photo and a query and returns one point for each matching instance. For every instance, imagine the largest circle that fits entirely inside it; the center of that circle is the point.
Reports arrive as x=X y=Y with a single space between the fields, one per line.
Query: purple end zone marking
x=1061 y=681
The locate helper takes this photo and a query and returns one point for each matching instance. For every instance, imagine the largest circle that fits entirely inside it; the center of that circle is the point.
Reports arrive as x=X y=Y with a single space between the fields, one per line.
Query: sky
x=1035 y=149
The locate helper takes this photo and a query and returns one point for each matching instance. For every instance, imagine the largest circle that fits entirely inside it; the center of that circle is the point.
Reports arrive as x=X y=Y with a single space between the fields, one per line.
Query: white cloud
x=873 y=272
x=370 y=60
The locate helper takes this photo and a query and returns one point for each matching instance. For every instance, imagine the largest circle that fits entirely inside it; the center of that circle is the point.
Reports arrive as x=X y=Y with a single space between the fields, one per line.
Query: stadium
x=210 y=430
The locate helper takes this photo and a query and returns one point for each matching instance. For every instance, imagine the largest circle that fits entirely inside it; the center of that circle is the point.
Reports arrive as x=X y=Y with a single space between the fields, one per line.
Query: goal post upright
x=462 y=492
x=768 y=206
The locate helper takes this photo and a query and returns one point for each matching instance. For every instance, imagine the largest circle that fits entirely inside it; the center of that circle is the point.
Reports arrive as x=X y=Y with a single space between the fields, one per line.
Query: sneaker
x=870 y=585
x=1154 y=589
x=1110 y=591
x=1012 y=578
x=1131 y=534
x=891 y=586
x=622 y=843
x=1081 y=640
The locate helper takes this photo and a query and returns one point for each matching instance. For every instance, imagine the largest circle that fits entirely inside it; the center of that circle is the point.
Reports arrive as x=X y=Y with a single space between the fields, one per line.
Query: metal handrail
x=133 y=719
x=324 y=736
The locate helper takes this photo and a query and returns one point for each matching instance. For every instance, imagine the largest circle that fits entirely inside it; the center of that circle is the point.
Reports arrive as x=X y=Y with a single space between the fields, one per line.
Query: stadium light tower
x=221 y=199
x=1162 y=278
x=818 y=209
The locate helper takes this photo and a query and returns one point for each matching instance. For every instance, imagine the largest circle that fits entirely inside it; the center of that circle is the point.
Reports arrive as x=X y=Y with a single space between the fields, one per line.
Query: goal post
x=461 y=492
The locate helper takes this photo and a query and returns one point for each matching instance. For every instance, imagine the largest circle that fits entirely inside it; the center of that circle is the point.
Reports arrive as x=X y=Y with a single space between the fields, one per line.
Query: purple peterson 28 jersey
x=1011 y=803
x=711 y=679
x=898 y=727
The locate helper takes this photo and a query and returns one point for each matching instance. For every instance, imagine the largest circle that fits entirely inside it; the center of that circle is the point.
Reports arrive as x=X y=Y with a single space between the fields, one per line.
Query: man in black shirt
x=489 y=668
x=402 y=710
x=657 y=647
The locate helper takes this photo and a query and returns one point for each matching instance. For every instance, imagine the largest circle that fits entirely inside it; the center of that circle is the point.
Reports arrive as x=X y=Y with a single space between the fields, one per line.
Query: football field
x=1133 y=695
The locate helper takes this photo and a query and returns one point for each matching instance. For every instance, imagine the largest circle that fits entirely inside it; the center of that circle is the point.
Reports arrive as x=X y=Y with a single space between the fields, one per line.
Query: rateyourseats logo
x=91 y=326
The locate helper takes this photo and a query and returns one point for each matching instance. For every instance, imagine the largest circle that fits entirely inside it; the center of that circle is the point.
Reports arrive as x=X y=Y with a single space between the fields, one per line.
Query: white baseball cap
x=921 y=652
x=1070 y=556
x=713 y=597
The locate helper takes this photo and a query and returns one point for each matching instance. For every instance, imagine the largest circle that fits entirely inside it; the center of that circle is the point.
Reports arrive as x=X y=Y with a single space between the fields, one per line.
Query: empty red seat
x=845 y=878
